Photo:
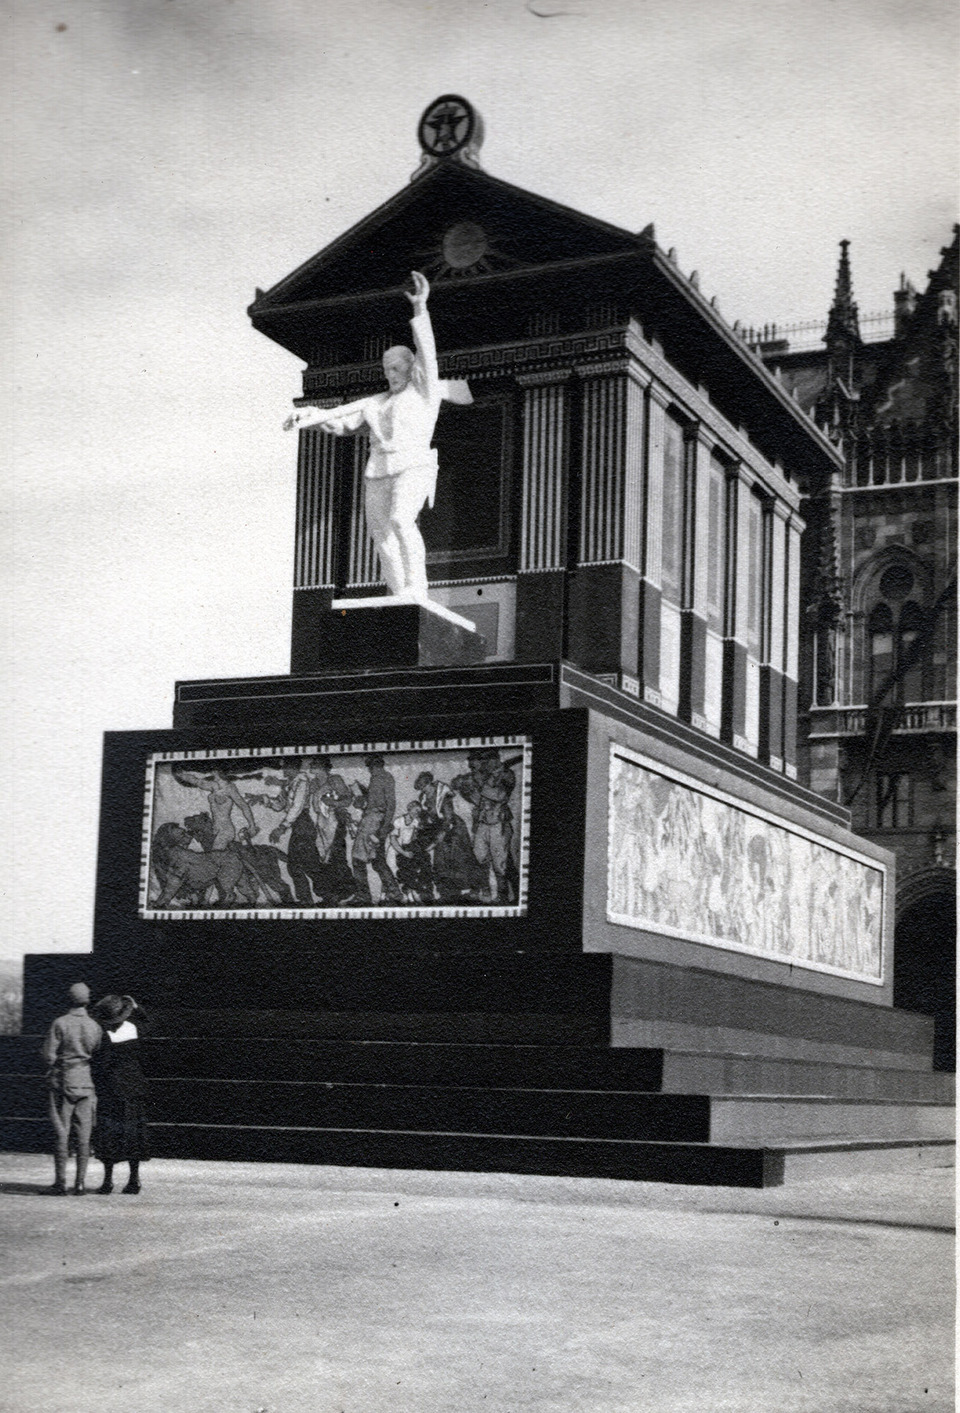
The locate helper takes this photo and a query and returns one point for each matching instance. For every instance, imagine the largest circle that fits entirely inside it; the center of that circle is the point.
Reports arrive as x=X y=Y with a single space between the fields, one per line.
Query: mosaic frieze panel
x=694 y=863
x=400 y=829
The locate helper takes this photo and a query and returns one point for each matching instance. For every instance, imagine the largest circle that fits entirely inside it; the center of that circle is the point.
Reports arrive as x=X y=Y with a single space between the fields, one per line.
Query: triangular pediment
x=453 y=223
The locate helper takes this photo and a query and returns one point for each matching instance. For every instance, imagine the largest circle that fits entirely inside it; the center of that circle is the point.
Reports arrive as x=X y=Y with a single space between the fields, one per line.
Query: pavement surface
x=260 y=1288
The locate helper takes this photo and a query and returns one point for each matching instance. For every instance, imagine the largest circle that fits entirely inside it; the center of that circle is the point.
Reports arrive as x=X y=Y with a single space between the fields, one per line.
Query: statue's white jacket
x=400 y=425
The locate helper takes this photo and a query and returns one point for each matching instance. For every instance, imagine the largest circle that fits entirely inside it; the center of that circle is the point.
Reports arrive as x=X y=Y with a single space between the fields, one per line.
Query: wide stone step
x=693 y=1072
x=402 y=1027
x=560 y=1112
x=537 y=1112
x=477 y=1066
x=703 y=1164
x=326 y=1104
x=520 y=1065
x=764 y=1119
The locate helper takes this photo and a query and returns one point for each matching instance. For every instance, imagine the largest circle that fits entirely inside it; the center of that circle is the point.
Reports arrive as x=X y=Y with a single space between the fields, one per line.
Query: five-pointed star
x=444 y=124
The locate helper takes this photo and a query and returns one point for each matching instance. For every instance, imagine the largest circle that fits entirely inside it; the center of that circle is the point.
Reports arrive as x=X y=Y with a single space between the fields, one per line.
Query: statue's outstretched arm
x=423 y=332
x=338 y=420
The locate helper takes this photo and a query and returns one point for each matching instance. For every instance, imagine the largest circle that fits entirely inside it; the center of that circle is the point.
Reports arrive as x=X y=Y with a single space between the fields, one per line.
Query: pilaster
x=774 y=636
x=734 y=717
x=791 y=645
x=648 y=664
x=693 y=620
x=604 y=599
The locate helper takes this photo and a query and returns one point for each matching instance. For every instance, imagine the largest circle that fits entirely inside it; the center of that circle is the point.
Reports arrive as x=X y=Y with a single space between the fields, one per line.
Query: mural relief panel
x=695 y=863
x=405 y=829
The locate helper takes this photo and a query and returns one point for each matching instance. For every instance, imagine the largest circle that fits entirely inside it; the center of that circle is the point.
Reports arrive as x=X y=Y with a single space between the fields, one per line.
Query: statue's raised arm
x=401 y=471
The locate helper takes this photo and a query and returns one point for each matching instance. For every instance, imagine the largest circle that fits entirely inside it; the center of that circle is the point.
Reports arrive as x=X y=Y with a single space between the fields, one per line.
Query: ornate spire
x=843 y=325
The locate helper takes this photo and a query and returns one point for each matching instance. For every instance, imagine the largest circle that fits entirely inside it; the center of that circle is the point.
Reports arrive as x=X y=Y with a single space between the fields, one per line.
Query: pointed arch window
x=909 y=628
x=880 y=640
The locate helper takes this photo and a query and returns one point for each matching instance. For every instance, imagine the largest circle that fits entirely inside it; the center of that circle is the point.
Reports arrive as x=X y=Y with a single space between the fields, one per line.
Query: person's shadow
x=29 y=1189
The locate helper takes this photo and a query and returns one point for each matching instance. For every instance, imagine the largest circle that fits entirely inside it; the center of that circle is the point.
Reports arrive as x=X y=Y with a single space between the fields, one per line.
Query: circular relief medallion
x=463 y=245
x=447 y=126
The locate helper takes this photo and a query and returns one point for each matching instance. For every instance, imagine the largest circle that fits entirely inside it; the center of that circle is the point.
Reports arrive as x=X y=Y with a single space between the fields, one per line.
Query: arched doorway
x=925 y=970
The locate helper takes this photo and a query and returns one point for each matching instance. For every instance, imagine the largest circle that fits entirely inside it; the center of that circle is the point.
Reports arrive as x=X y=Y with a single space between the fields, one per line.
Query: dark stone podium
x=352 y=634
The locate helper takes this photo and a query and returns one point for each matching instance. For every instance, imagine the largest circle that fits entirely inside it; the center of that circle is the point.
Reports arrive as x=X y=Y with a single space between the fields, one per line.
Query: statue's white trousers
x=392 y=505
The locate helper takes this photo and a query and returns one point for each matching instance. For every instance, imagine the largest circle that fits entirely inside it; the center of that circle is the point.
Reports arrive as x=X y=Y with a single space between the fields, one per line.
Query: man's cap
x=79 y=993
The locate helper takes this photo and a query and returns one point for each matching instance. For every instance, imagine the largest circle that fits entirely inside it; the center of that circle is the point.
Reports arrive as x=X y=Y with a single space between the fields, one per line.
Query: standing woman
x=121 y=1132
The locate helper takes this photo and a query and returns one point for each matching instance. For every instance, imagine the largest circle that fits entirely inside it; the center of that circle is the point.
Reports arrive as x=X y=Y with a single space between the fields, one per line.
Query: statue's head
x=397 y=367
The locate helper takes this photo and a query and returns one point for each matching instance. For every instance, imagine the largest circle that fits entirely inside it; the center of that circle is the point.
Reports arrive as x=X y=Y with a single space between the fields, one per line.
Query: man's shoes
x=59 y=1189
x=105 y=1187
x=79 y=1190
x=133 y=1187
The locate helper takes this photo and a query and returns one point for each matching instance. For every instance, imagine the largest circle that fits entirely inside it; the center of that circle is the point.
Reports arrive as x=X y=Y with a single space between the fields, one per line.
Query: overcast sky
x=164 y=157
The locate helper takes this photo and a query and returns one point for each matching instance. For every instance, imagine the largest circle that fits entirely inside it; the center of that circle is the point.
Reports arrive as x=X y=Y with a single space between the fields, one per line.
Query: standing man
x=401 y=472
x=66 y=1051
x=376 y=823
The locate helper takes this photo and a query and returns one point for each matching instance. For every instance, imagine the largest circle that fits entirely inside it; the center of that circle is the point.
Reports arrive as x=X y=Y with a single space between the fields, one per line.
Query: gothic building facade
x=878 y=632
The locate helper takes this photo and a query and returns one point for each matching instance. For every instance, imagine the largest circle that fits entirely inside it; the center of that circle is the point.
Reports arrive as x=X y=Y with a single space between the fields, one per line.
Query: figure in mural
x=379 y=805
x=224 y=798
x=261 y=862
x=431 y=796
x=401 y=471
x=488 y=788
x=184 y=872
x=459 y=876
x=330 y=804
x=296 y=802
x=413 y=867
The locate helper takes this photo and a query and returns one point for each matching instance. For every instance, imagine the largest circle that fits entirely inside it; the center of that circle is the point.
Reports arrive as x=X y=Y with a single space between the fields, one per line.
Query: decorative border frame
x=386 y=748
x=690 y=782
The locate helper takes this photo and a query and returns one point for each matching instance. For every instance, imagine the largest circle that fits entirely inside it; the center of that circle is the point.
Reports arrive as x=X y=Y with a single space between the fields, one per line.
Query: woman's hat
x=113 y=1010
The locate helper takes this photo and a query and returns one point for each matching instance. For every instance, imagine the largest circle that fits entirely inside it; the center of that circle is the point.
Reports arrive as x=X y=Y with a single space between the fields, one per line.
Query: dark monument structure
x=516 y=875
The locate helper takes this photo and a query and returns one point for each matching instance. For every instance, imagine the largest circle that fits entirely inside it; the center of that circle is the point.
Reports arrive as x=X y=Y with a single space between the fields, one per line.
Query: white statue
x=401 y=472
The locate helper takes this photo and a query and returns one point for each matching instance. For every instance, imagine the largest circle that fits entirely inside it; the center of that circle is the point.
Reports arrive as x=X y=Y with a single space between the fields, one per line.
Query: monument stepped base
x=488 y=1086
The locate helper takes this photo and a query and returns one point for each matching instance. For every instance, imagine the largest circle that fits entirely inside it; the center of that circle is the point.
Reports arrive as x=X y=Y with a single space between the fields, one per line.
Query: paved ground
x=233 y=1288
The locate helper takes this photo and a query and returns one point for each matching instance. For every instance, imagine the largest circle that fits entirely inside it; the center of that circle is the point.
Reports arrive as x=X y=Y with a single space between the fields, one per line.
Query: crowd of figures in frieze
x=364 y=830
x=692 y=863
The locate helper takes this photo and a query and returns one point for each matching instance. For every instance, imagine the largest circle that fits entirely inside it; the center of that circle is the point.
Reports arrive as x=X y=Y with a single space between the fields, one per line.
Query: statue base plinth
x=348 y=634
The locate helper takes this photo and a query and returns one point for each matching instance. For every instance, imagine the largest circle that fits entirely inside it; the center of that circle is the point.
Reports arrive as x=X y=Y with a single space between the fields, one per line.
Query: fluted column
x=733 y=722
x=693 y=617
x=773 y=666
x=649 y=595
x=791 y=645
x=315 y=547
x=543 y=513
x=610 y=505
x=364 y=563
x=542 y=554
x=603 y=626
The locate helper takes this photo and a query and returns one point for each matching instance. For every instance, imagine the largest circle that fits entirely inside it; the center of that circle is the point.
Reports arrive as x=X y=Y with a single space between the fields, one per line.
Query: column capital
x=695 y=431
x=619 y=364
x=659 y=395
x=740 y=472
x=546 y=377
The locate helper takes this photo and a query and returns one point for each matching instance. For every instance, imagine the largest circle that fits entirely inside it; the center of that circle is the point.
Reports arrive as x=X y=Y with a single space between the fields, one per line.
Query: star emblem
x=446 y=126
